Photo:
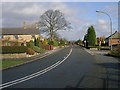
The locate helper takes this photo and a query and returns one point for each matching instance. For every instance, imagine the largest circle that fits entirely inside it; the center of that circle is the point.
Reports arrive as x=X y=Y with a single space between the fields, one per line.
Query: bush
x=54 y=43
x=37 y=42
x=116 y=52
x=30 y=51
x=45 y=41
x=50 y=42
x=13 y=49
x=62 y=43
x=30 y=44
x=38 y=50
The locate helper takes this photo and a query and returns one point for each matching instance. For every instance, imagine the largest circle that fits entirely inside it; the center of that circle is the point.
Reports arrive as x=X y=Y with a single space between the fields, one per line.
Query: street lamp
x=110 y=25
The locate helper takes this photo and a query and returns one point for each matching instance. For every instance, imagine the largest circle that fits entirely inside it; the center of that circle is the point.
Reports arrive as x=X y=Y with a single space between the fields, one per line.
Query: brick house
x=115 y=39
x=18 y=36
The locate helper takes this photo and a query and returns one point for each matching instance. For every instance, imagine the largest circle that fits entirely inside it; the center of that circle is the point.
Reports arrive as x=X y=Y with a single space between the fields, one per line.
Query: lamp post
x=110 y=26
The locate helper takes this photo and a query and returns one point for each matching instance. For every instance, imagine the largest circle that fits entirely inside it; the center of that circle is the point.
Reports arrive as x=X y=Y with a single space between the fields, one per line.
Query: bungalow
x=18 y=36
x=113 y=39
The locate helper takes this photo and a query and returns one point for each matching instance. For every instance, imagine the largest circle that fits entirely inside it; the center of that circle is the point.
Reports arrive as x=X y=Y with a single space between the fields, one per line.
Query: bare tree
x=52 y=21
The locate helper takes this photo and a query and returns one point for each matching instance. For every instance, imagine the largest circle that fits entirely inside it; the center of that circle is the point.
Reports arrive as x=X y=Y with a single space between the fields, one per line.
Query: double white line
x=34 y=74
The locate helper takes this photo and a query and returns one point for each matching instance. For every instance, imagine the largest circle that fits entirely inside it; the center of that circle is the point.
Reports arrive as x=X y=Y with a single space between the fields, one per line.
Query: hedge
x=13 y=49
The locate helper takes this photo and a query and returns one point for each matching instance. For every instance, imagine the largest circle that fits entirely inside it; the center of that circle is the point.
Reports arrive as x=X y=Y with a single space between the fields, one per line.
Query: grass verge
x=10 y=63
x=4 y=64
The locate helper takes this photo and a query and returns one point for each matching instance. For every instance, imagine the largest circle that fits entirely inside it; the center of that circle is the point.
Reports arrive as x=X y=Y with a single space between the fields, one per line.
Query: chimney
x=24 y=25
x=36 y=25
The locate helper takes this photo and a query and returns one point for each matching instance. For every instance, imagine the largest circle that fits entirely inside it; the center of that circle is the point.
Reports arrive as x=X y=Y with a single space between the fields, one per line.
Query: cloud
x=15 y=13
x=102 y=27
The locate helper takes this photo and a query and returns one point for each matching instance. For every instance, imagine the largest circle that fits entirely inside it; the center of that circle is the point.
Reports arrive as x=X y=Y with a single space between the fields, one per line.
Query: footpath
x=111 y=66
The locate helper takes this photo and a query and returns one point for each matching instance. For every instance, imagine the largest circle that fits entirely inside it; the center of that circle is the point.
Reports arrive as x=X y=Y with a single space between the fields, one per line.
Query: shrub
x=38 y=50
x=116 y=52
x=30 y=51
x=50 y=42
x=45 y=41
x=13 y=49
x=30 y=44
x=62 y=43
x=37 y=42
x=54 y=43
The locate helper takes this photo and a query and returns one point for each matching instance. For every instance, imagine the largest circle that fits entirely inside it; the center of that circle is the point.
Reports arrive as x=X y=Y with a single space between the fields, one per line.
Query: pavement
x=110 y=64
x=97 y=52
x=71 y=67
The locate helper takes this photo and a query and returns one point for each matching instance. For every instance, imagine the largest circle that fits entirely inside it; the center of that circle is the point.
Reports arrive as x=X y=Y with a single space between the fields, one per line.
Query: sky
x=81 y=15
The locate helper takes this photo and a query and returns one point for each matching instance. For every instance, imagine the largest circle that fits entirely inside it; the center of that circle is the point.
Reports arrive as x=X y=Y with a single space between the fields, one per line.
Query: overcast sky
x=81 y=15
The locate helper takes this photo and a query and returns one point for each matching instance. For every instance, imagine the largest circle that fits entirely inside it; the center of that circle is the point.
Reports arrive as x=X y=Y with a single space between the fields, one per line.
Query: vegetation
x=37 y=42
x=45 y=42
x=30 y=51
x=38 y=50
x=91 y=36
x=30 y=44
x=62 y=42
x=102 y=40
x=9 y=63
x=13 y=49
x=115 y=52
x=78 y=42
x=53 y=42
x=52 y=21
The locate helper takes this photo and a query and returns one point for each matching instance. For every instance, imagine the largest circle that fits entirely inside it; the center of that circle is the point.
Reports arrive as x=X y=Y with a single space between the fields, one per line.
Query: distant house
x=18 y=36
x=115 y=39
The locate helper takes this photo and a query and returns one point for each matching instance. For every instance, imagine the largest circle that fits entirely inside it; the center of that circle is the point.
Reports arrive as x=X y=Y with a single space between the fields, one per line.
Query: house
x=18 y=36
x=113 y=39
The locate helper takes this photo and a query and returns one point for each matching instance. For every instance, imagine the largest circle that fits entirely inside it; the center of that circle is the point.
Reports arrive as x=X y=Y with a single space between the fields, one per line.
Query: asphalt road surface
x=71 y=67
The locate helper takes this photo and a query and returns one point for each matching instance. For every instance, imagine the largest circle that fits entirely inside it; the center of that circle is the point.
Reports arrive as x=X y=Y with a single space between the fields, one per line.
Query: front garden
x=32 y=48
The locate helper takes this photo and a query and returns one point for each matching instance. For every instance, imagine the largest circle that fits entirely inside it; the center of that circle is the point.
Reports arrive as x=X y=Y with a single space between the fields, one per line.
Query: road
x=71 y=67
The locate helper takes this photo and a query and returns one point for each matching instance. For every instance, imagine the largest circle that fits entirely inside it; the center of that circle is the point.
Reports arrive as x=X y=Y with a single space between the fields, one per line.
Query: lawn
x=9 y=63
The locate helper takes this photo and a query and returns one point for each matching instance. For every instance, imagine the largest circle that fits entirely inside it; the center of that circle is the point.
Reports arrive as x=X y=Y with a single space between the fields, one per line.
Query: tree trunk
x=51 y=35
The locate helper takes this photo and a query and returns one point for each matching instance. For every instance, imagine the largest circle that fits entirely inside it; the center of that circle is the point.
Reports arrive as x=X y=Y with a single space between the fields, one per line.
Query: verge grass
x=10 y=63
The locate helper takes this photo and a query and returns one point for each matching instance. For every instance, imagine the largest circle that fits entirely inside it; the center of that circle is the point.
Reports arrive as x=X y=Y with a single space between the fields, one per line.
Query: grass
x=13 y=62
x=9 y=63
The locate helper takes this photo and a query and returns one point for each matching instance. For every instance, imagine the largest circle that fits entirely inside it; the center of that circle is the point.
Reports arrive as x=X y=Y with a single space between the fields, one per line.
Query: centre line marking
x=34 y=74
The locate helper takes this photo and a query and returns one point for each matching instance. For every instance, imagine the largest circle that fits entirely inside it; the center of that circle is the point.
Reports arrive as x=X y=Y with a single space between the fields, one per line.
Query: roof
x=19 y=31
x=115 y=35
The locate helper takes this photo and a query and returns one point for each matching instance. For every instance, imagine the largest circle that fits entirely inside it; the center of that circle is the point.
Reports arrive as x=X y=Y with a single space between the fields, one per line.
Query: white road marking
x=34 y=74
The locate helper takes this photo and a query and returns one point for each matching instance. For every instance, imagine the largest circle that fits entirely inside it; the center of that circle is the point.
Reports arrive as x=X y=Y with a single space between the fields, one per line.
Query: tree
x=91 y=36
x=52 y=21
x=37 y=42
